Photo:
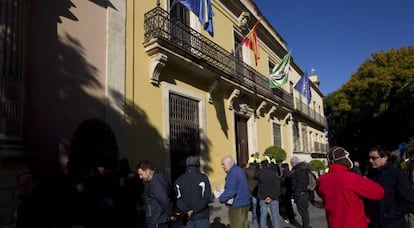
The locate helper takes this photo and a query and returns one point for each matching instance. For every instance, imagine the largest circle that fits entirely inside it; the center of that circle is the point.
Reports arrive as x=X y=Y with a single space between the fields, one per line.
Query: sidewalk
x=219 y=217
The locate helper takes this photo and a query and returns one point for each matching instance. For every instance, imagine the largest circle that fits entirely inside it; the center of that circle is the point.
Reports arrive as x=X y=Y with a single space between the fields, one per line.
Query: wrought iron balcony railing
x=160 y=25
x=320 y=147
x=310 y=112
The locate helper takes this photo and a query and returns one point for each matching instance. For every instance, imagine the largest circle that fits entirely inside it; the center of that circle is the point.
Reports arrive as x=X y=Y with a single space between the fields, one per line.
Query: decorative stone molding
x=157 y=63
x=271 y=112
x=233 y=96
x=243 y=20
x=287 y=119
x=246 y=110
x=260 y=109
x=213 y=87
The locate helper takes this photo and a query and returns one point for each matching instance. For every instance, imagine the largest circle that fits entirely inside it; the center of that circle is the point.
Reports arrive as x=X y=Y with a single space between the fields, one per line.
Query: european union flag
x=204 y=12
x=303 y=86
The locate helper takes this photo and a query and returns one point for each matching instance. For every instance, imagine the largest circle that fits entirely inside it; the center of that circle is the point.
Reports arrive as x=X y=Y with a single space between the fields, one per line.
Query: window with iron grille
x=184 y=131
x=296 y=137
x=305 y=139
x=277 y=137
x=13 y=18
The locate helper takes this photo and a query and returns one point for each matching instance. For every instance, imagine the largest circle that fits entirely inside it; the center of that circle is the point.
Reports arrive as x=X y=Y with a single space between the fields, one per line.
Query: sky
x=335 y=37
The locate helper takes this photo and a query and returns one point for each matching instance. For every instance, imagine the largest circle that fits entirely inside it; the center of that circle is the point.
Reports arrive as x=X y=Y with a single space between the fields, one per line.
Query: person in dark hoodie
x=300 y=181
x=398 y=199
x=268 y=194
x=193 y=193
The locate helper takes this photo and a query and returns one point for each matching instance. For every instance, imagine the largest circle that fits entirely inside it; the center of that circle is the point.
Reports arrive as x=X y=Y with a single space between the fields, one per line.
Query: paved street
x=219 y=218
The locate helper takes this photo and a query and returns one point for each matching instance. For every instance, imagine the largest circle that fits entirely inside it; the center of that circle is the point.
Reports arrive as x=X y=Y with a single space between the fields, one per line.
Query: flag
x=280 y=73
x=204 y=12
x=250 y=40
x=303 y=86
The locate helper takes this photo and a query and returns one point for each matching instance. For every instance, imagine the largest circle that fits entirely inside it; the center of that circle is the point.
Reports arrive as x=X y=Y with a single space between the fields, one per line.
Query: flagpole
x=255 y=24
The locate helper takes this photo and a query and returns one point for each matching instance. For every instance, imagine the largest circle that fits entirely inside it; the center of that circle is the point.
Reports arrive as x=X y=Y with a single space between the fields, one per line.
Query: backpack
x=312 y=181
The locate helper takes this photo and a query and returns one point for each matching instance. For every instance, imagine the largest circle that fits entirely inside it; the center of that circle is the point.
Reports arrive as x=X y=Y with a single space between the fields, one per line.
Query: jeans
x=274 y=209
x=198 y=223
x=254 y=208
x=161 y=225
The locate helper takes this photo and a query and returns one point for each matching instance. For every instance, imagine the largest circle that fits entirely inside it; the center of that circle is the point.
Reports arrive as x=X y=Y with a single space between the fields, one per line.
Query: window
x=271 y=66
x=305 y=139
x=277 y=137
x=296 y=137
x=184 y=131
x=13 y=18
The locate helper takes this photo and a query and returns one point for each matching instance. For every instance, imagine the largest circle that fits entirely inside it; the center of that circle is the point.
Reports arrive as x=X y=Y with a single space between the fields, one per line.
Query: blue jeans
x=161 y=225
x=254 y=208
x=274 y=209
x=198 y=223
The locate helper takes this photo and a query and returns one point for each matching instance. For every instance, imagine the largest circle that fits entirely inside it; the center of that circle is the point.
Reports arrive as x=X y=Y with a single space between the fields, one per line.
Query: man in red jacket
x=343 y=192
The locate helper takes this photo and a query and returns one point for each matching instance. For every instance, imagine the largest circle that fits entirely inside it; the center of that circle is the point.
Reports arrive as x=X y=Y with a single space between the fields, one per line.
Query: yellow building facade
x=167 y=88
x=198 y=94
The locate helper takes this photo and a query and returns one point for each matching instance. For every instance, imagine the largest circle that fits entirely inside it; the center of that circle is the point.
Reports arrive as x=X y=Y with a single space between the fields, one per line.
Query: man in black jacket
x=193 y=192
x=398 y=198
x=300 y=181
x=268 y=193
x=159 y=207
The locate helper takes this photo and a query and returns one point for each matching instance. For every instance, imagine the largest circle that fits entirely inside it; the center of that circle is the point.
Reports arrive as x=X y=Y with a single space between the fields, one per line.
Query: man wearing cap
x=193 y=193
x=343 y=192
x=398 y=193
x=300 y=181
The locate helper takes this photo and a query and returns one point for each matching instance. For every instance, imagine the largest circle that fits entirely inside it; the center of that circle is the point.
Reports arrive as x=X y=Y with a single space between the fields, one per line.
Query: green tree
x=278 y=153
x=376 y=105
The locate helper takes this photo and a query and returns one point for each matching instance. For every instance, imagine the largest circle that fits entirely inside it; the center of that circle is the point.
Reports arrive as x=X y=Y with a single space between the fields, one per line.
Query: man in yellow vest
x=254 y=158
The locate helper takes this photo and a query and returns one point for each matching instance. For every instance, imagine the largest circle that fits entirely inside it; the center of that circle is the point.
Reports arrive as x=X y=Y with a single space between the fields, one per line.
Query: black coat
x=398 y=198
x=193 y=192
x=159 y=204
x=269 y=184
x=300 y=179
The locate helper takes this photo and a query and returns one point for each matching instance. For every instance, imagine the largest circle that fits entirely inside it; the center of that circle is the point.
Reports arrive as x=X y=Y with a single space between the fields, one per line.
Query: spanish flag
x=250 y=40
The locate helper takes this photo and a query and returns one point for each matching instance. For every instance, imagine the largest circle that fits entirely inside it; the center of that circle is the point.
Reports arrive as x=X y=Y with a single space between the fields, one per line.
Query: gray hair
x=228 y=159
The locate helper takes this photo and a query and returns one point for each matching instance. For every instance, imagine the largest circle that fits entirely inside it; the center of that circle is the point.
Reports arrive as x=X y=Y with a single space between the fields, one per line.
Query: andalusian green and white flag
x=280 y=73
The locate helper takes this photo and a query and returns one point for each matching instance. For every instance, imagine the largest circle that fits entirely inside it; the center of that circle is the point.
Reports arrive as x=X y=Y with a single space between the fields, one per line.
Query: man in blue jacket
x=236 y=193
x=159 y=206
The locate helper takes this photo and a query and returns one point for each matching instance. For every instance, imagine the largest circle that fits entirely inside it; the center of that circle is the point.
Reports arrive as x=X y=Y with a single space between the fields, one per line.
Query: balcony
x=173 y=37
x=320 y=147
x=309 y=112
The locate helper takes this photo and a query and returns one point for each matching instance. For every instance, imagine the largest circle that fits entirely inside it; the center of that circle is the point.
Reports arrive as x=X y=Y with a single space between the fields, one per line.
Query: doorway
x=242 y=142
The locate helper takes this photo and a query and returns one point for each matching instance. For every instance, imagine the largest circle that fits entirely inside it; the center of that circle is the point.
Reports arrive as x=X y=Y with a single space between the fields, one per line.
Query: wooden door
x=242 y=142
